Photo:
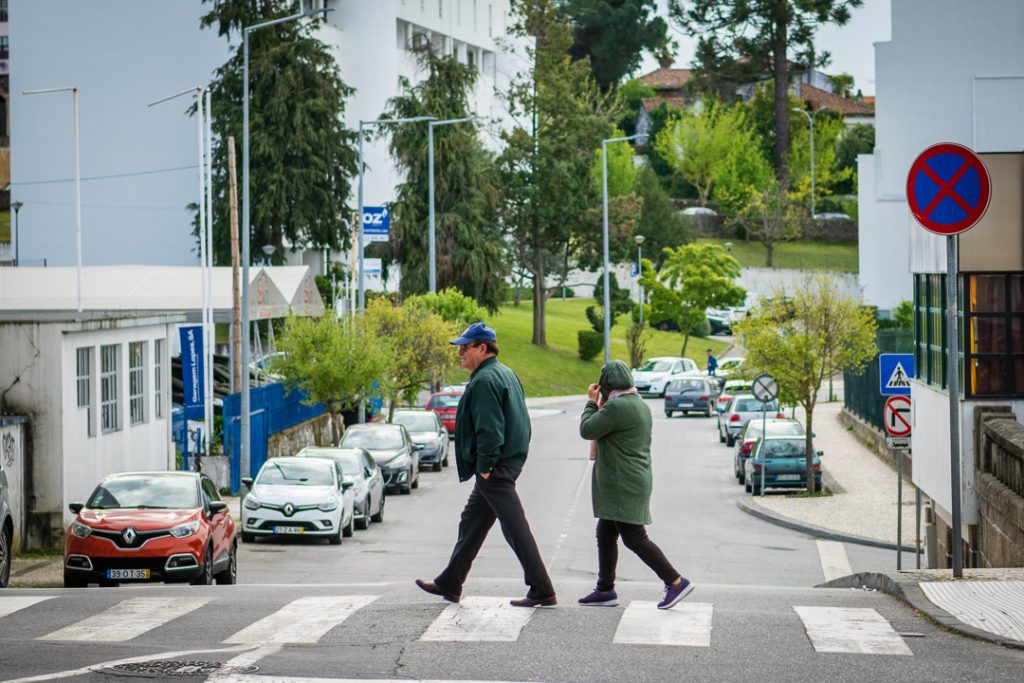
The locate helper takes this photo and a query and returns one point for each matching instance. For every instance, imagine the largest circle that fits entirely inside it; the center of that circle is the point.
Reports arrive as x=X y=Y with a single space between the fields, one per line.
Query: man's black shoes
x=549 y=601
x=434 y=589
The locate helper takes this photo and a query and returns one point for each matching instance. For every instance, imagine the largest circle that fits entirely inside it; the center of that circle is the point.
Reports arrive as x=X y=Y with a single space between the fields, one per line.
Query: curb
x=812 y=530
x=909 y=592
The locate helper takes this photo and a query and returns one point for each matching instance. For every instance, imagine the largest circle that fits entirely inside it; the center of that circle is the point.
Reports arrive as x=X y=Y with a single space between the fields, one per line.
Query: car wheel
x=206 y=577
x=379 y=517
x=445 y=461
x=416 y=481
x=437 y=466
x=740 y=477
x=729 y=440
x=746 y=487
x=707 y=413
x=721 y=439
x=248 y=538
x=364 y=521
x=73 y=580
x=6 y=555
x=668 y=413
x=405 y=490
x=229 y=576
x=346 y=531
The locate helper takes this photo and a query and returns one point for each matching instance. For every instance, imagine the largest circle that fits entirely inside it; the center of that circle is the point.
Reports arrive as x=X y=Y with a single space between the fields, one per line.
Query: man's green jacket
x=492 y=426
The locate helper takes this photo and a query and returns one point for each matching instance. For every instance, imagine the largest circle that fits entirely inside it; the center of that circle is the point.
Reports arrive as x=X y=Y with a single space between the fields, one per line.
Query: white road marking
x=248 y=678
x=479 y=619
x=851 y=629
x=834 y=562
x=564 y=534
x=304 y=620
x=10 y=605
x=128 y=619
x=687 y=624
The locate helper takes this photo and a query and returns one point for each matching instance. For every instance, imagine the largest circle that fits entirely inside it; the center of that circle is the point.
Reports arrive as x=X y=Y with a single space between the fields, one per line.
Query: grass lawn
x=804 y=255
x=558 y=370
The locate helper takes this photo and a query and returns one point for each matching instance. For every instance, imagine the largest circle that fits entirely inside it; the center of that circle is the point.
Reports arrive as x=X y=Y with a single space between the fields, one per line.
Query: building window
x=994 y=331
x=110 y=408
x=3 y=11
x=474 y=15
x=440 y=9
x=158 y=378
x=490 y=20
x=137 y=383
x=931 y=348
x=83 y=384
x=4 y=47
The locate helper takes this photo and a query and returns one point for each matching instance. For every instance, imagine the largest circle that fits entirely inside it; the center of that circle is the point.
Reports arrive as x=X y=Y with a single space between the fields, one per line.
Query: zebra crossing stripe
x=851 y=629
x=10 y=605
x=834 y=562
x=128 y=619
x=304 y=620
x=479 y=619
x=687 y=624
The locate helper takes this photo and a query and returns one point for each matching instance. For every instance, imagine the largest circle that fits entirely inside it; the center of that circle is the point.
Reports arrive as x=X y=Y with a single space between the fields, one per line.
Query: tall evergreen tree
x=471 y=254
x=746 y=39
x=614 y=35
x=302 y=158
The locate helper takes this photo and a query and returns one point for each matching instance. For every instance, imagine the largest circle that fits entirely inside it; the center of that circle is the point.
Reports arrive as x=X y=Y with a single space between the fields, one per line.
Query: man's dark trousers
x=496 y=498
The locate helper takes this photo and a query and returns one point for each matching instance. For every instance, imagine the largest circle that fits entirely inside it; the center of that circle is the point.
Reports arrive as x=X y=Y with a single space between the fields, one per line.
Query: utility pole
x=236 y=292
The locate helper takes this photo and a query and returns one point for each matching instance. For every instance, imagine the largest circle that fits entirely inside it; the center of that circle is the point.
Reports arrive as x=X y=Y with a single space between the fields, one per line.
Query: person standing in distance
x=492 y=437
x=619 y=421
x=712 y=362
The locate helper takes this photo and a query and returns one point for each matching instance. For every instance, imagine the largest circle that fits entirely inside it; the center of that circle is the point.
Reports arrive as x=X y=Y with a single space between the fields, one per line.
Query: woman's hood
x=615 y=376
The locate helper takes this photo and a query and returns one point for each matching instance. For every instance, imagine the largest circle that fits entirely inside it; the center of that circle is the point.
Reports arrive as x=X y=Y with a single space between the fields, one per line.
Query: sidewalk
x=987 y=604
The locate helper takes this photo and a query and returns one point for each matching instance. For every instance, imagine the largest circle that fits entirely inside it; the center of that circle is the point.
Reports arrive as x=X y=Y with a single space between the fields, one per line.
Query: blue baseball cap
x=477 y=332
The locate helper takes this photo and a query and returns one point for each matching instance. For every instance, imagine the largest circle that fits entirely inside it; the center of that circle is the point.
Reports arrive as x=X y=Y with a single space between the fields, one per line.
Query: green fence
x=861 y=395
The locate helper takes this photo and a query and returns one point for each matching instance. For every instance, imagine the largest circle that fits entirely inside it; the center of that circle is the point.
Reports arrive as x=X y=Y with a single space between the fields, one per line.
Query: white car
x=655 y=373
x=298 y=497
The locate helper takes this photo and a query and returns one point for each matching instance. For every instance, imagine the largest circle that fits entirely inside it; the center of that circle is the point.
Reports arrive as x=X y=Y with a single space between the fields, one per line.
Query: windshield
x=786 y=428
x=655 y=366
x=349 y=461
x=787 y=448
x=373 y=439
x=302 y=472
x=165 y=492
x=729 y=363
x=444 y=401
x=689 y=385
x=752 y=405
x=416 y=422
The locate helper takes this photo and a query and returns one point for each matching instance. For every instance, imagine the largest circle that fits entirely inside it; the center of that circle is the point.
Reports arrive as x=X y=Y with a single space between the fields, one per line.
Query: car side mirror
x=346 y=485
x=217 y=507
x=418 y=446
x=368 y=473
x=75 y=508
x=247 y=482
x=820 y=453
x=813 y=435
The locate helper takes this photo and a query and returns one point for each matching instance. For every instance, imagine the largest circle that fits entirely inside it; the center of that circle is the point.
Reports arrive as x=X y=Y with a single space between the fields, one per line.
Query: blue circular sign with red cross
x=948 y=188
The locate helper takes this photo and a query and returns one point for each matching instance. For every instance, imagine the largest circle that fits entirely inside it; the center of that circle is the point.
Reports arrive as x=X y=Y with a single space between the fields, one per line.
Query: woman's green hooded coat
x=621 y=482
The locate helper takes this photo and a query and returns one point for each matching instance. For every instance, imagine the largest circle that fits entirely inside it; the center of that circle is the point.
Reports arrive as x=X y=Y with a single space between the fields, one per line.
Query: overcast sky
x=852 y=46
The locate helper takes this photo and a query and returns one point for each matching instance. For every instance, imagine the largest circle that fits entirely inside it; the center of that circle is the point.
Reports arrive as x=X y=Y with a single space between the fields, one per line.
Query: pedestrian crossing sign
x=895 y=372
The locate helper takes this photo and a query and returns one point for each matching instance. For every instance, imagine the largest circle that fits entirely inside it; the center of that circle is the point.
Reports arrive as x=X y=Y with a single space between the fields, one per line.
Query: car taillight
x=703 y=398
x=758 y=467
x=724 y=398
x=734 y=418
x=781 y=416
x=745 y=448
x=816 y=466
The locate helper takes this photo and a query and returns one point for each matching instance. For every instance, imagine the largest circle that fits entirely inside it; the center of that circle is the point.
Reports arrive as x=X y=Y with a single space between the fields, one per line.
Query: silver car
x=741 y=408
x=425 y=429
x=6 y=532
x=358 y=467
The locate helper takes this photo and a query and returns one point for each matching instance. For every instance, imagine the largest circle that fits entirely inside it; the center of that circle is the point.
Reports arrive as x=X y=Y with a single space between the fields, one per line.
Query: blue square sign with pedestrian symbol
x=895 y=372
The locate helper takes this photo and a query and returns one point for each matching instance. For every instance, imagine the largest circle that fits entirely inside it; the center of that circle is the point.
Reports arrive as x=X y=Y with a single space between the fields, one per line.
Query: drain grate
x=175 y=667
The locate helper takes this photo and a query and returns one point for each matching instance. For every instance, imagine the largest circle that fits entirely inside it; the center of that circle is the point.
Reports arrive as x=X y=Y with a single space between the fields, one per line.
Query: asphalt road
x=310 y=610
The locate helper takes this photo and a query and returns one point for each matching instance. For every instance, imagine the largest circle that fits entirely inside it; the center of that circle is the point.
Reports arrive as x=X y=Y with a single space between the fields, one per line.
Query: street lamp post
x=639 y=239
x=810 y=121
x=430 y=174
x=246 y=228
x=640 y=139
x=17 y=243
x=78 y=186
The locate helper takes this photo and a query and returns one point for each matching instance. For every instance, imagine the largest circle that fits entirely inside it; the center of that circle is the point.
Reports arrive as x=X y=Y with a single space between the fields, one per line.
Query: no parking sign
x=948 y=188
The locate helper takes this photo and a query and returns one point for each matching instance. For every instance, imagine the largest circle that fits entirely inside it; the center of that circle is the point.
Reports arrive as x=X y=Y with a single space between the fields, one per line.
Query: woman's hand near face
x=594 y=393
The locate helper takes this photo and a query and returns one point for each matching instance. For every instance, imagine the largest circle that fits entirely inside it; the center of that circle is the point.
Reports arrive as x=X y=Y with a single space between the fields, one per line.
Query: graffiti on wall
x=7 y=451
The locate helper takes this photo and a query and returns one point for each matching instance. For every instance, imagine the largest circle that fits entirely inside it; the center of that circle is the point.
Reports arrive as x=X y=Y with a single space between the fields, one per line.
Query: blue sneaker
x=600 y=598
x=674 y=593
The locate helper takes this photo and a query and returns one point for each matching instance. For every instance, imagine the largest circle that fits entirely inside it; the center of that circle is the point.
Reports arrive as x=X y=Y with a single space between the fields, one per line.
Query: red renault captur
x=151 y=526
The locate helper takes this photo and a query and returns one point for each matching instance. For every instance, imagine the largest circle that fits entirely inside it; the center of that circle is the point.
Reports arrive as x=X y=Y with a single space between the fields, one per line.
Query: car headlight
x=329 y=504
x=185 y=530
x=81 y=530
x=399 y=463
x=252 y=503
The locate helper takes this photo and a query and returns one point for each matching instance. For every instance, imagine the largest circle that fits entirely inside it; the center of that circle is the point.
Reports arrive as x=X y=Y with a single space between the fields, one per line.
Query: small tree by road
x=804 y=338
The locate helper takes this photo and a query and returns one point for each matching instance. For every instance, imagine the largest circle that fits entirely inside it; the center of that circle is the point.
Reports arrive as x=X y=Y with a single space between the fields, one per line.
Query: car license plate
x=788 y=477
x=685 y=405
x=288 y=529
x=127 y=573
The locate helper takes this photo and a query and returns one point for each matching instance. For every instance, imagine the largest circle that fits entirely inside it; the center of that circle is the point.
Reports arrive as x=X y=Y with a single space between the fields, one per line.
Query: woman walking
x=618 y=421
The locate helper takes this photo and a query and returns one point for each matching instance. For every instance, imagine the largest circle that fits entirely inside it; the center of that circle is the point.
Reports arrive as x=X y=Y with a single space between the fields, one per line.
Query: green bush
x=590 y=343
x=701 y=329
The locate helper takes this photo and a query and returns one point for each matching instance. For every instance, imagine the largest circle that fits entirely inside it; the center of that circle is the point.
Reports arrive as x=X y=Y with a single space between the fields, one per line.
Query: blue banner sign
x=192 y=374
x=376 y=223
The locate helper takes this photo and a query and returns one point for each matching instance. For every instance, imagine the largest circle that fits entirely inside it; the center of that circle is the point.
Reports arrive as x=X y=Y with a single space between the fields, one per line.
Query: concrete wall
x=1000 y=484
x=316 y=432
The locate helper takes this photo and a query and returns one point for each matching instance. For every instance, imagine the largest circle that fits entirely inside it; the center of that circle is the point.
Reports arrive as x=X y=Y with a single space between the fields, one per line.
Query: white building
x=953 y=72
x=96 y=388
x=138 y=164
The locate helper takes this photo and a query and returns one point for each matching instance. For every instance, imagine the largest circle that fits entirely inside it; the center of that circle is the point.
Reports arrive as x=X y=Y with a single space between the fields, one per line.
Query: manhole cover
x=176 y=667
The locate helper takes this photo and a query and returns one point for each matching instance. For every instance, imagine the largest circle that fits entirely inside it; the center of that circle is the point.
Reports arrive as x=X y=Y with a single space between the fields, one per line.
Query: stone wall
x=999 y=480
x=320 y=431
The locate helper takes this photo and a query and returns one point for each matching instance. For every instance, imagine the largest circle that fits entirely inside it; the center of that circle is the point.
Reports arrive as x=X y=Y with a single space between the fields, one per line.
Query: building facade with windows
x=953 y=72
x=95 y=387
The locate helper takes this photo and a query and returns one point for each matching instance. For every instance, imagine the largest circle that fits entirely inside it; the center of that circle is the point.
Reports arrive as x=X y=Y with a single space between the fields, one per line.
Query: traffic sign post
x=896 y=416
x=765 y=389
x=948 y=191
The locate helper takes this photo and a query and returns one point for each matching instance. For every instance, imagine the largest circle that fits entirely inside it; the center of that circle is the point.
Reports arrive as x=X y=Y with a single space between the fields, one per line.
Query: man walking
x=492 y=437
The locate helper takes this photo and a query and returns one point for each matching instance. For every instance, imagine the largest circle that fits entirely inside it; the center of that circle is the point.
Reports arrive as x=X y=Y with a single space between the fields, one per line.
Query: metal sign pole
x=953 y=384
x=764 y=449
x=899 y=510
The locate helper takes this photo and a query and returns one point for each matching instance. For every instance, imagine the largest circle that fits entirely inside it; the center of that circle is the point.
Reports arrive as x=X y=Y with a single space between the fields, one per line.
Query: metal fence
x=861 y=393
